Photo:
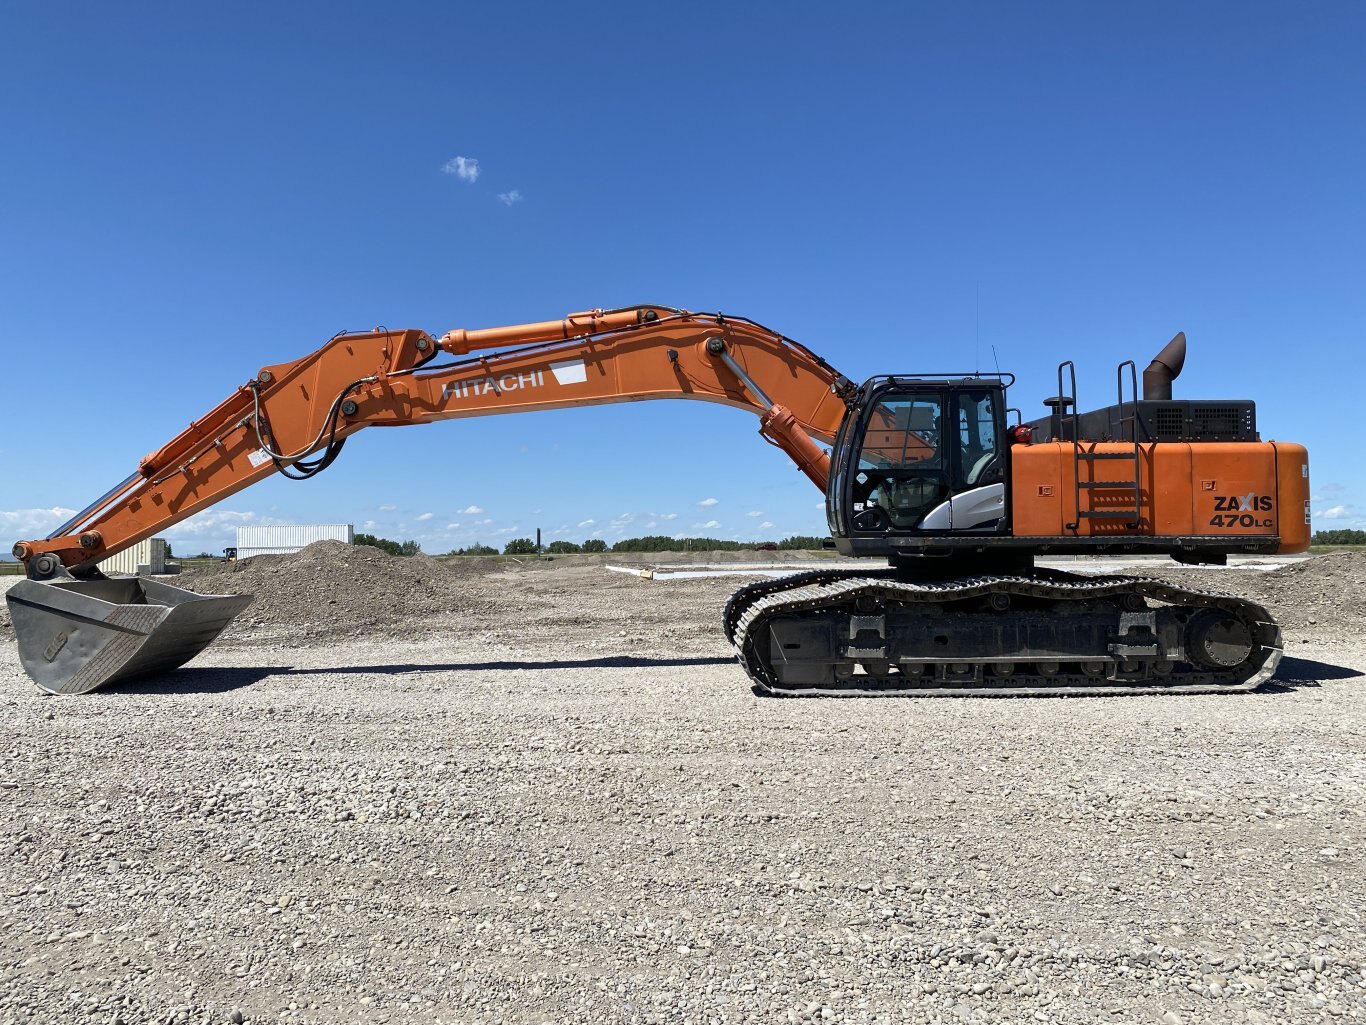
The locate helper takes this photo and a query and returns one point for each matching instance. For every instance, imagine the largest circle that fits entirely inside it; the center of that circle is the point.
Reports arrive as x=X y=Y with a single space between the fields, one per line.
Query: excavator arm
x=293 y=418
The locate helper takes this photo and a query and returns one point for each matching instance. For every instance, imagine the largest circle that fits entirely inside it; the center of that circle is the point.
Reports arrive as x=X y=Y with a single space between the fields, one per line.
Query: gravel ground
x=561 y=803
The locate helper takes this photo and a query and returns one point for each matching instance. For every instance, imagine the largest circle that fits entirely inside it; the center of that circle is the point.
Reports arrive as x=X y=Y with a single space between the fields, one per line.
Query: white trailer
x=288 y=538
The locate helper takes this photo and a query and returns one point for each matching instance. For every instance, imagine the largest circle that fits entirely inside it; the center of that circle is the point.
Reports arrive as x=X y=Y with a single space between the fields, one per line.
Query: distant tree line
x=593 y=544
x=526 y=546
x=651 y=543
x=660 y=543
x=1339 y=537
x=385 y=545
x=474 y=549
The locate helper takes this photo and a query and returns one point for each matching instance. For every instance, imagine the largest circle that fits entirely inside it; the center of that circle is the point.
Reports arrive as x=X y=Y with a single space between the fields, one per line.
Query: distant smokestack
x=538 y=540
x=1165 y=368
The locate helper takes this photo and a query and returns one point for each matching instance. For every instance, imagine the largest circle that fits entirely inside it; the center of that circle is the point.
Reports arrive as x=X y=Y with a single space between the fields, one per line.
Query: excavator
x=935 y=475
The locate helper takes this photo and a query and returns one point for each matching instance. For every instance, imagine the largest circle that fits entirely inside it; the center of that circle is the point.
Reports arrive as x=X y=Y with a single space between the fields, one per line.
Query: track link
x=1048 y=633
x=742 y=600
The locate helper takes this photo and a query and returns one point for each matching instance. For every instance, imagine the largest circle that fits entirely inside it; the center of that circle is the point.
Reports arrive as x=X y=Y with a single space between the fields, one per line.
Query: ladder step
x=1105 y=455
x=1112 y=514
x=1132 y=485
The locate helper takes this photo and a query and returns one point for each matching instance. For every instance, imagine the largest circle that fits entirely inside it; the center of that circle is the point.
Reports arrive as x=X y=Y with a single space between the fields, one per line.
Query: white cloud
x=508 y=198
x=464 y=168
x=482 y=523
x=707 y=503
x=708 y=525
x=216 y=522
x=387 y=508
x=29 y=524
x=425 y=517
x=369 y=525
x=765 y=525
x=1337 y=512
x=588 y=523
x=668 y=516
x=754 y=514
x=471 y=510
x=452 y=526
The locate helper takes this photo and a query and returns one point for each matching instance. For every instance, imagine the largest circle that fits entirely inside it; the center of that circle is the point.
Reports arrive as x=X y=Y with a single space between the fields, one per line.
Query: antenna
x=995 y=360
x=977 y=334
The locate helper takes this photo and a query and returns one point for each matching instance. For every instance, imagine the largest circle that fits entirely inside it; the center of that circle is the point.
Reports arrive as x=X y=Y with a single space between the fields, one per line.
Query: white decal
x=258 y=458
x=494 y=385
x=571 y=371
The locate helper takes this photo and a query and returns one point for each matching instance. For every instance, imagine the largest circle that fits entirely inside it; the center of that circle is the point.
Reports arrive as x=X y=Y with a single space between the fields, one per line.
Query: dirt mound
x=1326 y=592
x=331 y=590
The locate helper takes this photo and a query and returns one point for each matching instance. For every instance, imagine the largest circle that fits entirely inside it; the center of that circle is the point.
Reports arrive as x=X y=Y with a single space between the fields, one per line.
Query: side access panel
x=1207 y=489
x=1230 y=490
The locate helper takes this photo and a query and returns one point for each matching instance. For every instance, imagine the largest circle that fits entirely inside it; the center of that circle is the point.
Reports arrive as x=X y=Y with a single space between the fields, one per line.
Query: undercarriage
x=1037 y=633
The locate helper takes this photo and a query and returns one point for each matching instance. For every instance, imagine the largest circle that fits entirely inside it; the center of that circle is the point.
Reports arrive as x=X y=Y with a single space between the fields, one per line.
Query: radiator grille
x=1168 y=423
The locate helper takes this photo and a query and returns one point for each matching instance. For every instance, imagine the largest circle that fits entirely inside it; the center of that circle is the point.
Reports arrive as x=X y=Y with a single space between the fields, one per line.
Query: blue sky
x=188 y=193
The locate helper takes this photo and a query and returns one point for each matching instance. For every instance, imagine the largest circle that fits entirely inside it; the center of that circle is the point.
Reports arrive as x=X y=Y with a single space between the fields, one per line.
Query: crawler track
x=832 y=632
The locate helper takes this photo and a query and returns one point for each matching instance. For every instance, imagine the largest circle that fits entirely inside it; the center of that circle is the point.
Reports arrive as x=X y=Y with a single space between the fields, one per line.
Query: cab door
x=977 y=464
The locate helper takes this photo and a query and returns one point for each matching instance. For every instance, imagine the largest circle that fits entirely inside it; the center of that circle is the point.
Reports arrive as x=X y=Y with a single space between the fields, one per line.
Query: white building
x=145 y=557
x=286 y=539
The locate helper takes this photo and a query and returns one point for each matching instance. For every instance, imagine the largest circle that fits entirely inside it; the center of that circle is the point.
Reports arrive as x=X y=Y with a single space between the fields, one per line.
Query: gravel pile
x=1325 y=592
x=332 y=590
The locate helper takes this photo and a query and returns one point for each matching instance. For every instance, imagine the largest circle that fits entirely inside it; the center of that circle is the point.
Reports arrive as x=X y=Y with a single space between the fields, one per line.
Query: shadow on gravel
x=1292 y=674
x=218 y=681
x=611 y=662
x=198 y=681
x=1295 y=673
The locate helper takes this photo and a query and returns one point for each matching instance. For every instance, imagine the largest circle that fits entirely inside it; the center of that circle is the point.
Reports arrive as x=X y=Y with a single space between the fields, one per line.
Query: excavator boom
x=78 y=632
x=276 y=421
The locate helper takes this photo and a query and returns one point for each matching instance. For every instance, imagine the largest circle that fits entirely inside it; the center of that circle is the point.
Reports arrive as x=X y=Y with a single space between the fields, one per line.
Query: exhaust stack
x=1165 y=368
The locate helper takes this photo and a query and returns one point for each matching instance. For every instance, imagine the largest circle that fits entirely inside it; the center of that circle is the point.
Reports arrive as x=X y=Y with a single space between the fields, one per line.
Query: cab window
x=903 y=433
x=978 y=461
x=901 y=473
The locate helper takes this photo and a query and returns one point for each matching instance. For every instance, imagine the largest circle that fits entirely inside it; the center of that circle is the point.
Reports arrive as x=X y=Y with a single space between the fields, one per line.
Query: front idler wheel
x=1218 y=640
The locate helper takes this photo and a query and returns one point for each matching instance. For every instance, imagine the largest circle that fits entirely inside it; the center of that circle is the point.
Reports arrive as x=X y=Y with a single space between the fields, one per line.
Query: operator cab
x=920 y=457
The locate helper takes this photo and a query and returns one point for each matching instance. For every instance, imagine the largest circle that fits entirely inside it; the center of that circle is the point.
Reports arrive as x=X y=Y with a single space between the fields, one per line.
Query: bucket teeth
x=77 y=635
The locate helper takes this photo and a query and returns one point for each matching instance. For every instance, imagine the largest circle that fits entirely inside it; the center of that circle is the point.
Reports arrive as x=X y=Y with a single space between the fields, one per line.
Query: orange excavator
x=930 y=473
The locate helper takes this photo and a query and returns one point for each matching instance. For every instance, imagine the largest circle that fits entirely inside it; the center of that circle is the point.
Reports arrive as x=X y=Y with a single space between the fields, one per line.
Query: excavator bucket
x=77 y=635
